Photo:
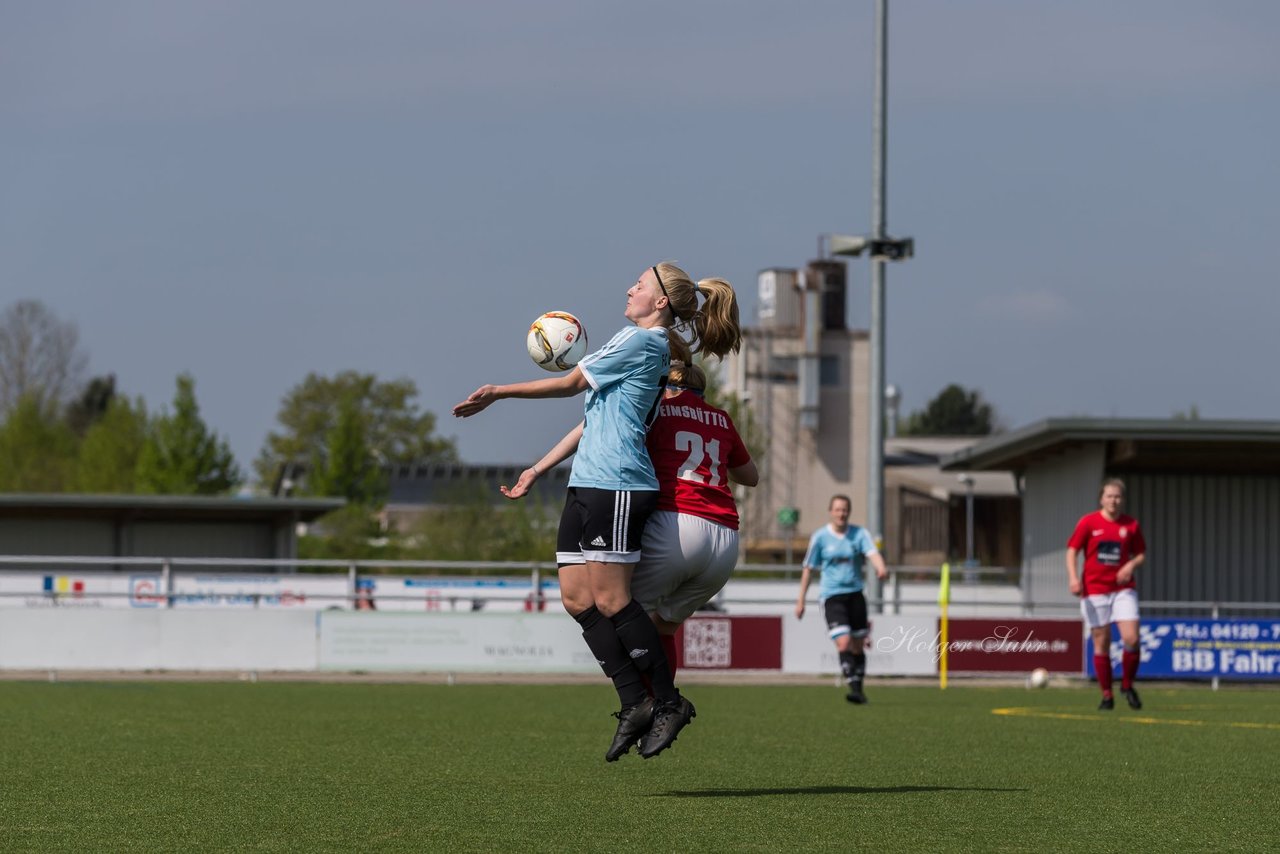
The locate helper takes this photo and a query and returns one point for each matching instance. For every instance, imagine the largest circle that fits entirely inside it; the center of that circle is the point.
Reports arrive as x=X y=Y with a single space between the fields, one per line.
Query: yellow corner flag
x=944 y=599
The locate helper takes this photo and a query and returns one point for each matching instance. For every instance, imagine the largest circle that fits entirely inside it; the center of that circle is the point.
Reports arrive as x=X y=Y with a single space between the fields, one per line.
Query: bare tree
x=39 y=356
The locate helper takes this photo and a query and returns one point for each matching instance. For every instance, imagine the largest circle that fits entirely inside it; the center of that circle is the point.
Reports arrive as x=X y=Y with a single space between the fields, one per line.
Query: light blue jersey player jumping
x=613 y=490
x=626 y=377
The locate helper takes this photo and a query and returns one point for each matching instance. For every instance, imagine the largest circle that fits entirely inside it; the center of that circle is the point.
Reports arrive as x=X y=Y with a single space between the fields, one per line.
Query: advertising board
x=995 y=645
x=1202 y=649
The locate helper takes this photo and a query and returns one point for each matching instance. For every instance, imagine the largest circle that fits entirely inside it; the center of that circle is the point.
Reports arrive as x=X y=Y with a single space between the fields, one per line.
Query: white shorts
x=684 y=561
x=1103 y=609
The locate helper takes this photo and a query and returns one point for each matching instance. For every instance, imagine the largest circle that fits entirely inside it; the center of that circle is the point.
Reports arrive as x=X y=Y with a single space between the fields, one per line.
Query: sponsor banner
x=246 y=590
x=1201 y=649
x=730 y=643
x=902 y=646
x=503 y=643
x=64 y=588
x=501 y=595
x=1015 y=645
x=896 y=646
x=145 y=589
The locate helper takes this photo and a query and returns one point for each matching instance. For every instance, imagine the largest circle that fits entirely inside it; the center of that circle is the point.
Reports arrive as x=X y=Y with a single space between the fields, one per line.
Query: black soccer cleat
x=1107 y=704
x=633 y=723
x=668 y=720
x=1131 y=697
x=856 y=696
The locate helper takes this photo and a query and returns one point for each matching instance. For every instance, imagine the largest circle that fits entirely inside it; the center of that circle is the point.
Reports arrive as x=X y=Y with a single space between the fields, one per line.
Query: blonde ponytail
x=715 y=324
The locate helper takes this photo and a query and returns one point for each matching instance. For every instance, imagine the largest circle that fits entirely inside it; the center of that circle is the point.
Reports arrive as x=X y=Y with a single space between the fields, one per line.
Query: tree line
x=62 y=430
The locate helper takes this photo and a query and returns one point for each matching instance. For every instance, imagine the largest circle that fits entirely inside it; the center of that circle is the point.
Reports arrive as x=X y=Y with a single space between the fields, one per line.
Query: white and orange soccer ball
x=1038 y=678
x=557 y=341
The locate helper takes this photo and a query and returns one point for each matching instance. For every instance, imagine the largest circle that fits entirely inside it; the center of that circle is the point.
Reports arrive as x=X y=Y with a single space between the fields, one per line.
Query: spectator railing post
x=166 y=583
x=352 y=591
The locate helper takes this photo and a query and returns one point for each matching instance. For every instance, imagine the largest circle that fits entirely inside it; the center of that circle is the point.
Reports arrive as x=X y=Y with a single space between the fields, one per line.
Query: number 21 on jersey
x=699 y=451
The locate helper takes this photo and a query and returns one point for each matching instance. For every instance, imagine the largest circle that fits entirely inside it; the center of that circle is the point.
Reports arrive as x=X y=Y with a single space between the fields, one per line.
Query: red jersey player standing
x=1113 y=549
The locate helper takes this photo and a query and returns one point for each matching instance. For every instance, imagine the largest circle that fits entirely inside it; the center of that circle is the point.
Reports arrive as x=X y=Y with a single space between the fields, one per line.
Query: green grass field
x=309 y=766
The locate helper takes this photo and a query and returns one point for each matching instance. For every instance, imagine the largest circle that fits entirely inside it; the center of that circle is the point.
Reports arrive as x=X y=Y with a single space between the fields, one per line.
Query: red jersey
x=1107 y=546
x=693 y=445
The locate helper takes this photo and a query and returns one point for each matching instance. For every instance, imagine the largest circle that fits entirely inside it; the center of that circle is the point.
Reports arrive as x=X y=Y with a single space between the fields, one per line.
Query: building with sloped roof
x=1207 y=493
x=927 y=509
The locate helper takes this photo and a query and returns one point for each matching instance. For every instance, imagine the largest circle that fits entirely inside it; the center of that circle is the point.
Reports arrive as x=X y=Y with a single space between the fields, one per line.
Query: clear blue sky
x=253 y=190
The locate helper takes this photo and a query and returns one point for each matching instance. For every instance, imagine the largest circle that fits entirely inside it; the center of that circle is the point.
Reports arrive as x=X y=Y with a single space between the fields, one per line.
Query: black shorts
x=846 y=615
x=603 y=525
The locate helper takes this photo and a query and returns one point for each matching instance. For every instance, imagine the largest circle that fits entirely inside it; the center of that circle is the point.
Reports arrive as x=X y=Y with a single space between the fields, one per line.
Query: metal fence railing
x=255 y=582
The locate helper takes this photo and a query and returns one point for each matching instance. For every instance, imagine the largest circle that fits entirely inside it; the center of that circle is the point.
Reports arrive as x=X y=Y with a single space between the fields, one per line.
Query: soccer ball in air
x=557 y=341
x=1038 y=678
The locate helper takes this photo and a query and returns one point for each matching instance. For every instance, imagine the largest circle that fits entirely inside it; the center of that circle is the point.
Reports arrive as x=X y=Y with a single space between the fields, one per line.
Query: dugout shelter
x=155 y=525
x=1207 y=493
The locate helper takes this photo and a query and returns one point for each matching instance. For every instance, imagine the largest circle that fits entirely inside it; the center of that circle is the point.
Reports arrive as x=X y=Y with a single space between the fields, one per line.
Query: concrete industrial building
x=804 y=375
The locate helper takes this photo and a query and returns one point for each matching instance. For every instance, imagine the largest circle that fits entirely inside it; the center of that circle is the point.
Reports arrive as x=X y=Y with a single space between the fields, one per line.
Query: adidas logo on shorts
x=599 y=542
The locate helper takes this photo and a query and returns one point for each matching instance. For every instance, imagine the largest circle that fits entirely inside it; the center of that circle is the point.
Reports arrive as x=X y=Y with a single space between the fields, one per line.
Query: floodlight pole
x=879 y=134
x=882 y=248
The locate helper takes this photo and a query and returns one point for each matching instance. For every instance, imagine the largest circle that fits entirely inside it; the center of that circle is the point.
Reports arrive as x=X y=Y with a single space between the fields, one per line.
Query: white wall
x=226 y=639
x=118 y=639
x=503 y=643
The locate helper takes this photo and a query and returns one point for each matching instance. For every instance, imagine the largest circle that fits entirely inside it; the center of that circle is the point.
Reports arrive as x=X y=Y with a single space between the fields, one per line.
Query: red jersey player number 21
x=693 y=445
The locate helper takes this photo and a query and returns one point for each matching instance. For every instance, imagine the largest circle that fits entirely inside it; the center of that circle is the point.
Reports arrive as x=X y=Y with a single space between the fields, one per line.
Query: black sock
x=643 y=646
x=859 y=668
x=846 y=666
x=612 y=656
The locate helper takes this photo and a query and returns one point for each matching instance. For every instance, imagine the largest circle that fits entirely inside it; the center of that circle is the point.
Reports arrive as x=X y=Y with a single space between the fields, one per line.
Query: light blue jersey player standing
x=839 y=551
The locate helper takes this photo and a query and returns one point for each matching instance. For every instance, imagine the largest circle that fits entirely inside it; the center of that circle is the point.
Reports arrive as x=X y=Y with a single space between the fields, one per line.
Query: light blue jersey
x=626 y=378
x=840 y=558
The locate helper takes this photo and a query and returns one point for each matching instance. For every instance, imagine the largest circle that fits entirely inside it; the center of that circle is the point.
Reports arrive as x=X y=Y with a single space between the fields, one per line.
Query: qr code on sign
x=707 y=643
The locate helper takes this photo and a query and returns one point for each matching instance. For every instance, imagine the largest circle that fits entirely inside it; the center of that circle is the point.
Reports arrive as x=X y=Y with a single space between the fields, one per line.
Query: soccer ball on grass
x=1038 y=678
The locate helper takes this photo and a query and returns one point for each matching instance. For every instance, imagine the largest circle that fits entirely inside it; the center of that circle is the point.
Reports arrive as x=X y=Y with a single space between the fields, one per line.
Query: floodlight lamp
x=847 y=244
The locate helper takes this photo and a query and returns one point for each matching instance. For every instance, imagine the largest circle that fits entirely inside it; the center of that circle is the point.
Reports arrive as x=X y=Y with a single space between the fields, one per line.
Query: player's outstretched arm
x=523 y=484
x=565 y=448
x=568 y=385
